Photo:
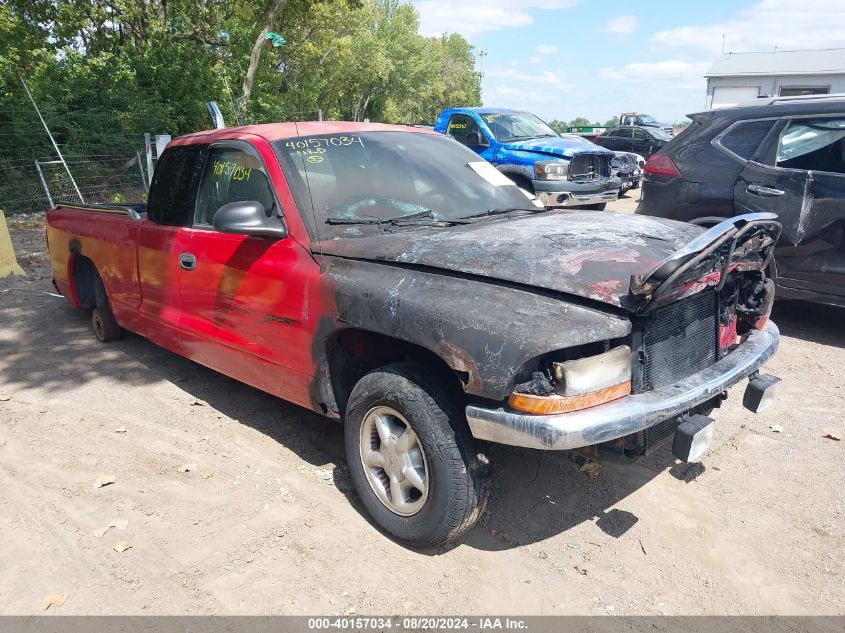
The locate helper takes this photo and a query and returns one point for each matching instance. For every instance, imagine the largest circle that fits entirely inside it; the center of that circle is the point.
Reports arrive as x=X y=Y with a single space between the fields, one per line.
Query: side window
x=744 y=138
x=464 y=129
x=813 y=144
x=174 y=187
x=641 y=135
x=625 y=132
x=232 y=175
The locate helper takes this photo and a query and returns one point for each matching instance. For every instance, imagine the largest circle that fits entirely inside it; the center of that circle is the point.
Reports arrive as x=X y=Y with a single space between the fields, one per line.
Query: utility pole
x=482 y=53
x=52 y=140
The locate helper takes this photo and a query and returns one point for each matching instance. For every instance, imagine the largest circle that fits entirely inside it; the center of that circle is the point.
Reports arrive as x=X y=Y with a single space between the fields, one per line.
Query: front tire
x=412 y=462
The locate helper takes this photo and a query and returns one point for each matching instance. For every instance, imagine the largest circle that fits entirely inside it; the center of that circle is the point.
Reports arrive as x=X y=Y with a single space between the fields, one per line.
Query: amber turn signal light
x=566 y=404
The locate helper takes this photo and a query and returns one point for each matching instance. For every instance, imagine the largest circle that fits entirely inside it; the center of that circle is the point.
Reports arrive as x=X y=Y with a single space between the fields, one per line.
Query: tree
x=580 y=121
x=558 y=126
x=102 y=68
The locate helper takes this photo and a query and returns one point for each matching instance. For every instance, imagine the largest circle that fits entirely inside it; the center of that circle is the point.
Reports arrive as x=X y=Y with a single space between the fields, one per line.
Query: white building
x=739 y=77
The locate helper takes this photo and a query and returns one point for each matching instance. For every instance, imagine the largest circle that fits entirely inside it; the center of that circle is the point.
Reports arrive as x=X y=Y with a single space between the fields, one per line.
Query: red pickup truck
x=389 y=277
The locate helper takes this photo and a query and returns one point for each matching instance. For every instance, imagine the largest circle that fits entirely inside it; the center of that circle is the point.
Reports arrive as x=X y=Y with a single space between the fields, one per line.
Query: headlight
x=582 y=383
x=551 y=170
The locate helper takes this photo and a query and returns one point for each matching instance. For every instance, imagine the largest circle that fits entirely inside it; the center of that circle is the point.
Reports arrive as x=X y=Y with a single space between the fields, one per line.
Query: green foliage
x=106 y=70
x=612 y=122
x=558 y=126
x=580 y=121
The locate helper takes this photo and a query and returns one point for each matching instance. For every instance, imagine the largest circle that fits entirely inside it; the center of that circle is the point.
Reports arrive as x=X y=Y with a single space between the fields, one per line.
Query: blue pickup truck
x=562 y=171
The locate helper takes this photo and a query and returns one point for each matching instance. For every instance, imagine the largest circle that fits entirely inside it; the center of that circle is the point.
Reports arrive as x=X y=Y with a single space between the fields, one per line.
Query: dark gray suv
x=785 y=155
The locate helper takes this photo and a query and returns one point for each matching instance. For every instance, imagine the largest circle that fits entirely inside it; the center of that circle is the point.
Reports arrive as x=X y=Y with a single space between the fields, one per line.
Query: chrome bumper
x=629 y=414
x=550 y=198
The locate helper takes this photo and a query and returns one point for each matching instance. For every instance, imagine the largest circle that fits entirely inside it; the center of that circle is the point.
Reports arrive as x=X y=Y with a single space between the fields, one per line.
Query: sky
x=566 y=58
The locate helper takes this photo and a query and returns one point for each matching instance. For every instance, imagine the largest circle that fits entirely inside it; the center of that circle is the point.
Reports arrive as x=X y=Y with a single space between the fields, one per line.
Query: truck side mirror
x=247 y=217
x=476 y=139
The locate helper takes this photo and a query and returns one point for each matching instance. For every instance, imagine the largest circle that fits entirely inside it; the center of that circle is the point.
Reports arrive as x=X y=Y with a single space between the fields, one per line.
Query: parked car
x=643 y=120
x=626 y=167
x=562 y=171
x=388 y=277
x=639 y=140
x=785 y=155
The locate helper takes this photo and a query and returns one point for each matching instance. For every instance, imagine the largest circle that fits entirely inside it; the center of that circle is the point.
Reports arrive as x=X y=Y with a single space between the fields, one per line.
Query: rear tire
x=106 y=328
x=411 y=459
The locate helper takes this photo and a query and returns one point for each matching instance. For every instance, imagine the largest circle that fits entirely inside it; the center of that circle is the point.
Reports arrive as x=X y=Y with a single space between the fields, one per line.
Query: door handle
x=763 y=190
x=187 y=261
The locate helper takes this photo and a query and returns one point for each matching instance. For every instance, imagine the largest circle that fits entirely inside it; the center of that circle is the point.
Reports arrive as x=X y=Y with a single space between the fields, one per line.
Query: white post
x=44 y=183
x=148 y=146
x=141 y=169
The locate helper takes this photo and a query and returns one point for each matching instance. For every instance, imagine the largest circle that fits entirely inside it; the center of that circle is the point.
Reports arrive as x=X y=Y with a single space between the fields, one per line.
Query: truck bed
x=106 y=234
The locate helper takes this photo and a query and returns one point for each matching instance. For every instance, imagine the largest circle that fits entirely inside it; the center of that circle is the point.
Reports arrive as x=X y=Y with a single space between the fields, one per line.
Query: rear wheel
x=412 y=462
x=105 y=325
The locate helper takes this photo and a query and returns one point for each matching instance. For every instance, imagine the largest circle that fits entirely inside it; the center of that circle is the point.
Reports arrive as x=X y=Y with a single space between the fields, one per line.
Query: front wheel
x=411 y=460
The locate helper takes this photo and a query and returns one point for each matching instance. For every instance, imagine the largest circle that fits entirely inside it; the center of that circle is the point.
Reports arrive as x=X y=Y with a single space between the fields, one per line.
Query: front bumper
x=564 y=193
x=627 y=415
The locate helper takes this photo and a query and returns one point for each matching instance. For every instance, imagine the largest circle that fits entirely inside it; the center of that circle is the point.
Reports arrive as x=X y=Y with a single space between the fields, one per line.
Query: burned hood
x=587 y=254
x=565 y=146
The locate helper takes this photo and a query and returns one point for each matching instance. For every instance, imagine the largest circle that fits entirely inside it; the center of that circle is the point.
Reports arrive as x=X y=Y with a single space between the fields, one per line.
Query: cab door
x=244 y=297
x=799 y=173
x=160 y=240
x=642 y=142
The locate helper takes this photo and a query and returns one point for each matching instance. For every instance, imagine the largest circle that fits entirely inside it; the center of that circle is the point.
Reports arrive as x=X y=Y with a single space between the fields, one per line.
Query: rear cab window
x=173 y=191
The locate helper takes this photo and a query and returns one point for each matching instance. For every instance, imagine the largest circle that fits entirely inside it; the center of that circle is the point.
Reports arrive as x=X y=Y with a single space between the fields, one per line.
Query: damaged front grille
x=587 y=167
x=678 y=340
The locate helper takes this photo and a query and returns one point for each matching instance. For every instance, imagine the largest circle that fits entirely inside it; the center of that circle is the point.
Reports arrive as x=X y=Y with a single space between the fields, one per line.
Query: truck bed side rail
x=134 y=211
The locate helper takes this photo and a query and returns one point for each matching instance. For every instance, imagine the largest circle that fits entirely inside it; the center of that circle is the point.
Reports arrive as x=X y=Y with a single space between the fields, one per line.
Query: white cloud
x=546 y=49
x=516 y=87
x=623 y=25
x=543 y=79
x=537 y=61
x=678 y=73
x=785 y=24
x=471 y=18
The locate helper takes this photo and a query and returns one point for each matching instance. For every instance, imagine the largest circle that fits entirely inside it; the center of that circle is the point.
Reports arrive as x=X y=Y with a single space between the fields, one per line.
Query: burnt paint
x=487 y=330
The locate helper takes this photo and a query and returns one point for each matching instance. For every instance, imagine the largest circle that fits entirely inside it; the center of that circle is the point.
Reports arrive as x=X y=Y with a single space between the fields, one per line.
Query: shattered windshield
x=516 y=126
x=392 y=178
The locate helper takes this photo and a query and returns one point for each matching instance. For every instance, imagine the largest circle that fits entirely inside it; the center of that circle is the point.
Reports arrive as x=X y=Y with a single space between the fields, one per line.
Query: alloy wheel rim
x=393 y=461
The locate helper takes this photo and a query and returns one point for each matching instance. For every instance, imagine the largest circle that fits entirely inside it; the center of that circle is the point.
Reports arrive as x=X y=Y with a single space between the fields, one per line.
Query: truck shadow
x=537 y=495
x=813 y=322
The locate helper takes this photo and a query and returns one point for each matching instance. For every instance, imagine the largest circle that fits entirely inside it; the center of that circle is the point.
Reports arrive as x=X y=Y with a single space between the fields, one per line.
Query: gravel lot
x=236 y=503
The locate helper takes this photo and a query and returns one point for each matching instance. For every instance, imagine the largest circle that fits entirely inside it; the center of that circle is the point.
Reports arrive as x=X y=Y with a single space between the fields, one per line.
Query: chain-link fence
x=31 y=185
x=105 y=166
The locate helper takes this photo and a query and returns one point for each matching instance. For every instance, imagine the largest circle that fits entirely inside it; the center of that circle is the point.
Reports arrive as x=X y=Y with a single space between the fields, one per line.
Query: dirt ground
x=264 y=520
